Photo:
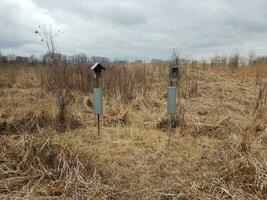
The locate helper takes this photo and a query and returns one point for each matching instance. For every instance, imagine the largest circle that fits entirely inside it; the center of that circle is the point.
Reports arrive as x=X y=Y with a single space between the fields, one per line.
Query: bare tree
x=252 y=58
x=54 y=72
x=234 y=61
x=100 y=59
x=175 y=58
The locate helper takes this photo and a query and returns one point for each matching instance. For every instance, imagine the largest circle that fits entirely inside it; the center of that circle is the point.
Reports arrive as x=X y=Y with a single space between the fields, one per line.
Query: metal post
x=97 y=95
x=170 y=130
x=98 y=116
x=97 y=85
x=98 y=126
x=171 y=104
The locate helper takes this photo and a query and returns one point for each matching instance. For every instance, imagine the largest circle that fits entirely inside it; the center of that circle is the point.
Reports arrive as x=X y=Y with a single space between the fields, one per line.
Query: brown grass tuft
x=43 y=166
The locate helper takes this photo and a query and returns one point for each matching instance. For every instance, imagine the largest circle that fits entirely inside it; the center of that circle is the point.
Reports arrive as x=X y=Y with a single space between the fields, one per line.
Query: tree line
x=73 y=59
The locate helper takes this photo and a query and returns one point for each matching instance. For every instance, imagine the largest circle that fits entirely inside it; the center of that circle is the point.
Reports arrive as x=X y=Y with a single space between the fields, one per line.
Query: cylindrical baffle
x=97 y=101
x=171 y=104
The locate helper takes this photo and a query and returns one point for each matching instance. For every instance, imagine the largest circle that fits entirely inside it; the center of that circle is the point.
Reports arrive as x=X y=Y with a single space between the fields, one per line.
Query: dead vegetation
x=217 y=151
x=34 y=167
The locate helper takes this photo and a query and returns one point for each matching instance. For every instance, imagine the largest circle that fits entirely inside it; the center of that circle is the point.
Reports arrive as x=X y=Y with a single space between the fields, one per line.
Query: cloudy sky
x=136 y=29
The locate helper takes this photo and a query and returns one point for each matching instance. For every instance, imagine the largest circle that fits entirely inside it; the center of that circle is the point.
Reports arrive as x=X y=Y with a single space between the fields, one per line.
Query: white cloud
x=137 y=28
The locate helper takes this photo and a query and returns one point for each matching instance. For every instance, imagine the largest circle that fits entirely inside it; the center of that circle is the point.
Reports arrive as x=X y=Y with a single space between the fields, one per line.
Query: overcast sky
x=136 y=29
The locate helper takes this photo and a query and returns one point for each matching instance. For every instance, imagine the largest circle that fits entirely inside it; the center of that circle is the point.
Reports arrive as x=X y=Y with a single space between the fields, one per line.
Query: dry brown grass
x=217 y=151
x=43 y=166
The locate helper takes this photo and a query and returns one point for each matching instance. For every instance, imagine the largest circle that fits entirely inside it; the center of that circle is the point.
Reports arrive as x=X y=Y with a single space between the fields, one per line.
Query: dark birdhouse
x=174 y=72
x=97 y=68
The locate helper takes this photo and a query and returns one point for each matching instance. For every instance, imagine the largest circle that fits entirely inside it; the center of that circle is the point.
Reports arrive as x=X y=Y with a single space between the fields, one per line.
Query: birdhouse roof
x=174 y=66
x=97 y=65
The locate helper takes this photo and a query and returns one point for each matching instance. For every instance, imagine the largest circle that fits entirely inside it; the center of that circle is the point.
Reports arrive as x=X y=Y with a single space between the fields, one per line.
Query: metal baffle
x=97 y=101
x=171 y=104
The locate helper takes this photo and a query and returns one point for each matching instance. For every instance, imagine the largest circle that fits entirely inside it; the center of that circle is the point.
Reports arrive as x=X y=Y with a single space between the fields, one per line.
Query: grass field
x=217 y=151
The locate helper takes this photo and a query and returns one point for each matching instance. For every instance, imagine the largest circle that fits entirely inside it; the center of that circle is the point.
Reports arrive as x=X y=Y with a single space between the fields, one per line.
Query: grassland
x=217 y=151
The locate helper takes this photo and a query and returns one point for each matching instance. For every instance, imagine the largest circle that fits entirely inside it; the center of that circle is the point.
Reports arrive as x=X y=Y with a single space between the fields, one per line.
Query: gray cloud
x=137 y=28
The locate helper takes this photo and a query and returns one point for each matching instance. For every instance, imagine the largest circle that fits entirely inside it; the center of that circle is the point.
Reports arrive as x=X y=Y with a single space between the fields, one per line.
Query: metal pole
x=98 y=117
x=98 y=126
x=172 y=115
x=97 y=85
x=170 y=130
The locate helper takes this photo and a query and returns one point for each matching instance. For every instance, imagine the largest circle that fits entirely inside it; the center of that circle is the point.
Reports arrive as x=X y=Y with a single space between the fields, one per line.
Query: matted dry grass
x=218 y=151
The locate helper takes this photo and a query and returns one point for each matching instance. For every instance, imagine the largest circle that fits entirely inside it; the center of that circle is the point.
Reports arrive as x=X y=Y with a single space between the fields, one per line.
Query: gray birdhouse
x=174 y=73
x=97 y=68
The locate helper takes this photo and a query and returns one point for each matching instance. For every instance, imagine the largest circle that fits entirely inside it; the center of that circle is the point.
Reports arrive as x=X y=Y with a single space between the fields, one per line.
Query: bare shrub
x=120 y=80
x=260 y=60
x=53 y=74
x=218 y=61
x=234 y=61
x=252 y=58
x=80 y=78
x=127 y=81
x=188 y=82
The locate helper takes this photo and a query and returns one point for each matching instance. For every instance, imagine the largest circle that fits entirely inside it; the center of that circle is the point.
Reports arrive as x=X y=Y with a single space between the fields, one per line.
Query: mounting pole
x=97 y=83
x=98 y=116
x=97 y=95
x=171 y=101
x=98 y=126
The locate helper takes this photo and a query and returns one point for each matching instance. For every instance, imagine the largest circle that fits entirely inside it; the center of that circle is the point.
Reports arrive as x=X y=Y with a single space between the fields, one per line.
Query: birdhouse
x=174 y=73
x=97 y=68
